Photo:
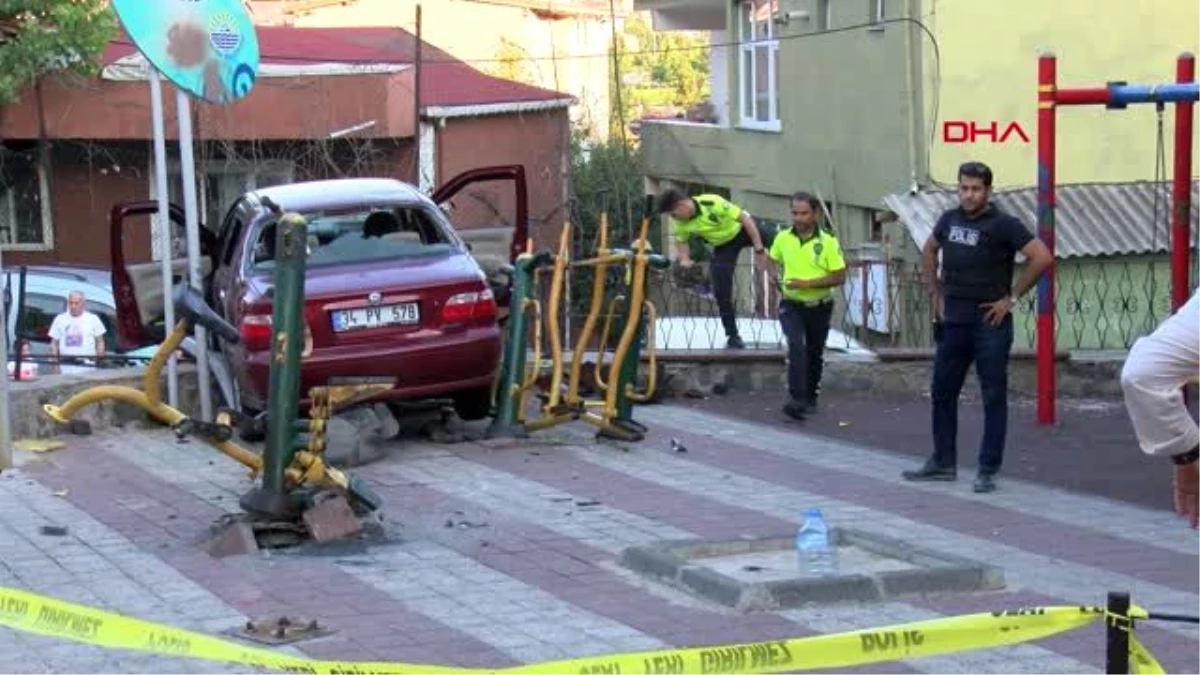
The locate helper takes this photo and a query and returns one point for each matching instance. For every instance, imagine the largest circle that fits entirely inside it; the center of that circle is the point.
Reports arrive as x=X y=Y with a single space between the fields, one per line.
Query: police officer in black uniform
x=973 y=302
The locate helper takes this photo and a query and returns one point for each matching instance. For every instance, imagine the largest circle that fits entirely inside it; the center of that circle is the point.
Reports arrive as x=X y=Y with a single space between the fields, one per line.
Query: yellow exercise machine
x=613 y=413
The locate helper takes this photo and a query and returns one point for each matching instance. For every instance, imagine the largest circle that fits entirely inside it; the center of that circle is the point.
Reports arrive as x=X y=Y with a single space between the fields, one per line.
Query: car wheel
x=474 y=404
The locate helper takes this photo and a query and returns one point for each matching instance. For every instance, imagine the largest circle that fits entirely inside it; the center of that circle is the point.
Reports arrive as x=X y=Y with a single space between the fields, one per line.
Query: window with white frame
x=758 y=65
x=25 y=223
x=223 y=183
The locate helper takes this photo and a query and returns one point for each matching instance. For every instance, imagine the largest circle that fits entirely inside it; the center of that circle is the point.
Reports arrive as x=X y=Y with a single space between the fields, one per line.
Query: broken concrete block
x=359 y=435
x=331 y=520
x=234 y=538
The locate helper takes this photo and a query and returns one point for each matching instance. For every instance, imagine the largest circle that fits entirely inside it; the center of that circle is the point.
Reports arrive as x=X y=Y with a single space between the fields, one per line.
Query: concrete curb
x=673 y=563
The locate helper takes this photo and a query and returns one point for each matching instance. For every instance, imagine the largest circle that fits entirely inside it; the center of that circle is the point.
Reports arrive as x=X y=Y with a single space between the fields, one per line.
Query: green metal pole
x=512 y=370
x=629 y=369
x=287 y=338
x=627 y=375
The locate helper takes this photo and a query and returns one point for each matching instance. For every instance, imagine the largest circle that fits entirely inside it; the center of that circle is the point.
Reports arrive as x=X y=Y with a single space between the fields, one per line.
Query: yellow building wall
x=567 y=55
x=989 y=53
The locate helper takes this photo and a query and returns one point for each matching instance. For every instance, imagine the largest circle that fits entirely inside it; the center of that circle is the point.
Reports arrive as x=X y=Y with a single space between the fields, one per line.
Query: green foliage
x=38 y=37
x=677 y=60
x=606 y=177
x=657 y=69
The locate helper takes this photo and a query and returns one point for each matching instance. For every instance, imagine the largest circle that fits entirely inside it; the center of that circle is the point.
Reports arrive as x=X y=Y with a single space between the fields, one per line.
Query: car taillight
x=255 y=332
x=473 y=307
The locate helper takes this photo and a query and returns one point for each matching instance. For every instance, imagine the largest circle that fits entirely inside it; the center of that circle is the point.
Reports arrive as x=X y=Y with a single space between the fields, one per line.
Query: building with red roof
x=328 y=102
x=564 y=45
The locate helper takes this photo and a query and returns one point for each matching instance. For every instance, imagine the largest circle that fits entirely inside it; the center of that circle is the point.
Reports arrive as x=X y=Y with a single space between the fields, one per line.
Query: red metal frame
x=1047 y=82
x=1181 y=189
x=1049 y=98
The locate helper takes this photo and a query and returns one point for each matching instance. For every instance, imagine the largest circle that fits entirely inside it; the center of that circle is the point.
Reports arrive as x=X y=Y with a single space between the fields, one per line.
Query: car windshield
x=360 y=236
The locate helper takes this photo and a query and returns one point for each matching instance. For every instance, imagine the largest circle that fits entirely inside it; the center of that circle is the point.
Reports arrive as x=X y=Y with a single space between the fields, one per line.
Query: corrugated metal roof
x=1090 y=219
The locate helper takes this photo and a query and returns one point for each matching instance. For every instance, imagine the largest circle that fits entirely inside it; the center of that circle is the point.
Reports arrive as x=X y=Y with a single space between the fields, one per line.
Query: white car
x=46 y=291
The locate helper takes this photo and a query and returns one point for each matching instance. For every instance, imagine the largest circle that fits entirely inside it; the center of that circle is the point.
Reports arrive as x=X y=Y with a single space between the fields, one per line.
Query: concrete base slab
x=764 y=575
x=782 y=564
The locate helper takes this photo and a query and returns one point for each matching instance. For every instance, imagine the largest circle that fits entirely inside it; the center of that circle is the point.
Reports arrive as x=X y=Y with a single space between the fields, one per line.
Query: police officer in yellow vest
x=725 y=227
x=812 y=266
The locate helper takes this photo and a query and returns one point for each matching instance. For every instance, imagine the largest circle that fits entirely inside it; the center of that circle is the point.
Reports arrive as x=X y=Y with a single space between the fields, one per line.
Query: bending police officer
x=727 y=229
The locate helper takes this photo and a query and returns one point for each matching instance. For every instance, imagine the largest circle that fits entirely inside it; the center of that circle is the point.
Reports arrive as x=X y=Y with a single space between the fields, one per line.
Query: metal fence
x=1102 y=304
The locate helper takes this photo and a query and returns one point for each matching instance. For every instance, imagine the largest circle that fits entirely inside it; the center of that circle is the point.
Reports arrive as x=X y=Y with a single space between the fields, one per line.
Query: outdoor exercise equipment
x=1115 y=96
x=292 y=466
x=613 y=413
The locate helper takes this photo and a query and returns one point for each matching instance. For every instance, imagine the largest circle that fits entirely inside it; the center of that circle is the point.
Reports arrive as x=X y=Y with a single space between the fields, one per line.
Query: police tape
x=43 y=615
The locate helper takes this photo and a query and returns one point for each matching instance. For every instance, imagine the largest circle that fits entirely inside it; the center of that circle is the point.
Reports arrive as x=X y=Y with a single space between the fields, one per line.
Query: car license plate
x=406 y=314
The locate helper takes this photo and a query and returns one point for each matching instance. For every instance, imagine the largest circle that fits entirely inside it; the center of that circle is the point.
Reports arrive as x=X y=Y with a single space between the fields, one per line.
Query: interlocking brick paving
x=504 y=552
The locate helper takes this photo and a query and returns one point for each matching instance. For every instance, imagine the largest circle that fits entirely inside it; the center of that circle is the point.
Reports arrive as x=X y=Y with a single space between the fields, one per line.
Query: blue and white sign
x=208 y=48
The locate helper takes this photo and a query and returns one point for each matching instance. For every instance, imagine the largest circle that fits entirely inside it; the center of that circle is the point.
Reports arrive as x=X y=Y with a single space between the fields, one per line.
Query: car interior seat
x=380 y=223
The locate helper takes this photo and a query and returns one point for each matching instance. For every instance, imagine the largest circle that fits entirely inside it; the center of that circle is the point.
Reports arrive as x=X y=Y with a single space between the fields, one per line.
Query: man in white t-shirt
x=76 y=332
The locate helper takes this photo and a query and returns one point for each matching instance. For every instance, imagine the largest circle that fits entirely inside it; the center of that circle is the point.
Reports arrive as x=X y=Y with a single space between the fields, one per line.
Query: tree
x=677 y=60
x=660 y=69
x=38 y=37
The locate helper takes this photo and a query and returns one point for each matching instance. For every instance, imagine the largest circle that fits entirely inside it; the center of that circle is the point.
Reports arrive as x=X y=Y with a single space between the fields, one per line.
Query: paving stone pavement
x=503 y=552
x=93 y=565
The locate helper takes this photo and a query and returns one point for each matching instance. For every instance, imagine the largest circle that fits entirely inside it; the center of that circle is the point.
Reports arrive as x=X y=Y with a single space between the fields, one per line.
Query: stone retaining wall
x=27 y=398
x=767 y=372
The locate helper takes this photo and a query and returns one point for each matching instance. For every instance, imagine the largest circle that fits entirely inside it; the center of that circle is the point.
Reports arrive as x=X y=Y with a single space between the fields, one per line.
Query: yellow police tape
x=43 y=615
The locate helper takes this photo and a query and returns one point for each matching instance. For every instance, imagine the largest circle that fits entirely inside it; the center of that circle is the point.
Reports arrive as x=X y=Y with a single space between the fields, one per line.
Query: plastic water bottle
x=816 y=551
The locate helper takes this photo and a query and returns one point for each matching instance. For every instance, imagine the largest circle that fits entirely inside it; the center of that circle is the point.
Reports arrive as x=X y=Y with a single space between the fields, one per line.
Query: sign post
x=6 y=453
x=166 y=252
x=209 y=50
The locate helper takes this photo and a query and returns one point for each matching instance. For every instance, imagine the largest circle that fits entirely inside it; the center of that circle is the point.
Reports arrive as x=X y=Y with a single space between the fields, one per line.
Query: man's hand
x=939 y=306
x=1187 y=492
x=684 y=263
x=997 y=310
x=760 y=258
x=796 y=284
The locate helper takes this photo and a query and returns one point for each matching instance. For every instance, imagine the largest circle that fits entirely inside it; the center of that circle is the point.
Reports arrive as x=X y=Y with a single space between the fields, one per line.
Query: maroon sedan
x=391 y=290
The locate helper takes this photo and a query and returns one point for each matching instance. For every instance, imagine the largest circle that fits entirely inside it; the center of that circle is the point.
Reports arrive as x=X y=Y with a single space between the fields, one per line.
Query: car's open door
x=137 y=287
x=478 y=217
